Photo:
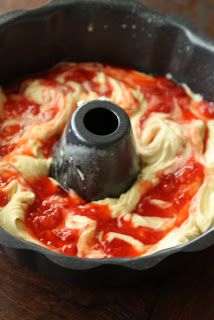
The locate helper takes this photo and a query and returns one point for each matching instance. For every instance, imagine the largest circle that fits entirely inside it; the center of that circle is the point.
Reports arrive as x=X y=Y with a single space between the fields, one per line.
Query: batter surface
x=172 y=200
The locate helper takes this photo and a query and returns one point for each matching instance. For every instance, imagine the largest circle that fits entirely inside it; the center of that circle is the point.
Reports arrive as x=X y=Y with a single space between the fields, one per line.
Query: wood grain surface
x=187 y=295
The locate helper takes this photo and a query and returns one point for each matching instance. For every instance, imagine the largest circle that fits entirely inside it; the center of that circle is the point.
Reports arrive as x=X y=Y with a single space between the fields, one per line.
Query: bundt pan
x=121 y=32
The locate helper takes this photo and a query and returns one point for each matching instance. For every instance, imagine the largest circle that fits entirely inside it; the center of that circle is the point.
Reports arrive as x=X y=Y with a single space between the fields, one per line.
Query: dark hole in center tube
x=101 y=121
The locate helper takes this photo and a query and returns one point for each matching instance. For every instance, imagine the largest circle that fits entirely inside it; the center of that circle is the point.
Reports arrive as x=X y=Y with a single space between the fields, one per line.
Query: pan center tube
x=96 y=155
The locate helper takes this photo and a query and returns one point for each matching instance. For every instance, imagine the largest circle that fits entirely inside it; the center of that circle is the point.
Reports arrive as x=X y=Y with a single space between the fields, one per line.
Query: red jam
x=164 y=96
x=3 y=199
x=45 y=219
x=16 y=107
x=6 y=149
x=80 y=75
x=175 y=188
x=206 y=109
x=46 y=213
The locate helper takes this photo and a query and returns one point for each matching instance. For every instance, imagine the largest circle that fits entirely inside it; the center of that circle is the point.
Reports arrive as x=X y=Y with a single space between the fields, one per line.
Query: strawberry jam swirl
x=172 y=130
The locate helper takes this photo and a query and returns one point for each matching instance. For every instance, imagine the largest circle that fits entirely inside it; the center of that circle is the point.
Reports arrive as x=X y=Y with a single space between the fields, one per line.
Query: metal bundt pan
x=121 y=32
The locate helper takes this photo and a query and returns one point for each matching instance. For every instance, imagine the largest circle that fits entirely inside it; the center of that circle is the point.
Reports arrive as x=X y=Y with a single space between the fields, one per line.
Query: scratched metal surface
x=199 y=12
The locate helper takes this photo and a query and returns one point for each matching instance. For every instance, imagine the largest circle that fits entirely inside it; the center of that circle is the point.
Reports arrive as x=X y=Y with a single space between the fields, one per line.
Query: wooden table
x=187 y=295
